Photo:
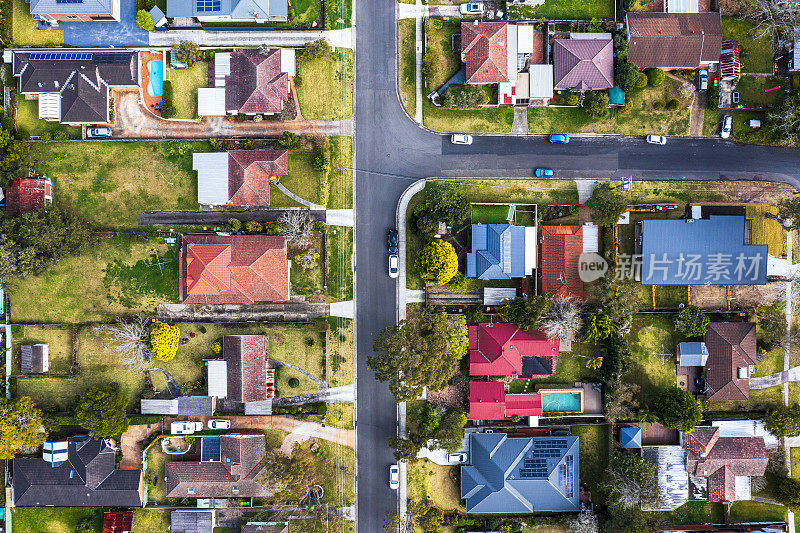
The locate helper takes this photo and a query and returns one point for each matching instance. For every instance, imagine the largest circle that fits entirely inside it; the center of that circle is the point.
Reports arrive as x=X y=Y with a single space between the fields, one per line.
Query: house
x=180 y=406
x=29 y=194
x=506 y=350
x=501 y=251
x=674 y=40
x=238 y=177
x=248 y=81
x=562 y=247
x=242 y=375
x=229 y=467
x=55 y=11
x=731 y=356
x=707 y=251
x=73 y=87
x=118 y=522
x=76 y=472
x=673 y=478
x=489 y=401
x=226 y=269
x=485 y=52
x=34 y=358
x=719 y=467
x=256 y=11
x=584 y=62
x=521 y=475
x=192 y=521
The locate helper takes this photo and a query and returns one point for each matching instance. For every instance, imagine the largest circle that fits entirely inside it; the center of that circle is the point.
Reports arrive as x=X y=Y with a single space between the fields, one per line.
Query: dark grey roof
x=88 y=7
x=521 y=475
x=183 y=405
x=536 y=366
x=87 y=479
x=34 y=358
x=191 y=521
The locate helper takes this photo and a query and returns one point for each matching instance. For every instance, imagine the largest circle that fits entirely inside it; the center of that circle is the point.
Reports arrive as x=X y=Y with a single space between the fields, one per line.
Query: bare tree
x=621 y=400
x=585 y=522
x=297 y=227
x=785 y=119
x=129 y=341
x=563 y=320
x=771 y=20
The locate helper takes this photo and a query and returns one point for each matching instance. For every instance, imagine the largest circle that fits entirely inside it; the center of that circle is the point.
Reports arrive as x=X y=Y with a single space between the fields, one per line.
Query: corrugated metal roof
x=211 y=101
x=541 y=81
x=192 y=521
x=673 y=477
x=495 y=296
x=217 y=379
x=693 y=353
x=49 y=106
x=212 y=177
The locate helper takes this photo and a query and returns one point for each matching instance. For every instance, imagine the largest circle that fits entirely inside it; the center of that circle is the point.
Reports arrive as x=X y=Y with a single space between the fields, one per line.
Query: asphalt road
x=392 y=152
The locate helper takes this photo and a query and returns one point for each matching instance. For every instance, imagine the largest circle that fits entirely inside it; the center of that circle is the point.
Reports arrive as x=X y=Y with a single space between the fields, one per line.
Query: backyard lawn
x=752 y=89
x=52 y=519
x=58 y=340
x=429 y=480
x=560 y=10
x=340 y=176
x=651 y=337
x=325 y=88
x=753 y=511
x=185 y=82
x=407 y=70
x=593 y=441
x=303 y=180
x=151 y=520
x=28 y=120
x=756 y=54
x=697 y=512
x=121 y=275
x=25 y=32
x=112 y=182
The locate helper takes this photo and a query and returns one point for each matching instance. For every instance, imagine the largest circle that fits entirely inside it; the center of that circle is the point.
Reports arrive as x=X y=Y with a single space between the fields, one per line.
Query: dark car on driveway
x=392 y=241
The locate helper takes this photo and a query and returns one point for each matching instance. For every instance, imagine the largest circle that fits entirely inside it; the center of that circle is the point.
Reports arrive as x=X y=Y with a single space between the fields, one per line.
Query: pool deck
x=592 y=399
x=150 y=102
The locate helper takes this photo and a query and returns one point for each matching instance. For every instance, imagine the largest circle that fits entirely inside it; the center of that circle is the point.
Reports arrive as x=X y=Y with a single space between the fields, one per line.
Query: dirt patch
x=455 y=396
x=744 y=297
x=130 y=444
x=709 y=297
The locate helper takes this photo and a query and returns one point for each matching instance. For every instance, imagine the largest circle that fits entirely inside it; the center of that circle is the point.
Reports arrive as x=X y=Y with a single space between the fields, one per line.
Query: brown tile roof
x=234 y=475
x=29 y=194
x=583 y=64
x=117 y=522
x=731 y=345
x=219 y=269
x=256 y=83
x=484 y=48
x=246 y=358
x=674 y=40
x=561 y=249
x=537 y=56
x=250 y=173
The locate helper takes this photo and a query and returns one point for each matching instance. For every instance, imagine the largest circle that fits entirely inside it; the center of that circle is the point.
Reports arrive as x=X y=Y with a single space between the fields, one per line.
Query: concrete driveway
x=133 y=121
x=106 y=34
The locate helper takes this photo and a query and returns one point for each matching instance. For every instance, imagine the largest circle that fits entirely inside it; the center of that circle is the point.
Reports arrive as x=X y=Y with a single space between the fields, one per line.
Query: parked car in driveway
x=185 y=428
x=394 y=477
x=98 y=133
x=656 y=139
x=394 y=269
x=219 y=423
x=472 y=8
x=392 y=241
x=702 y=80
x=558 y=138
x=727 y=126
x=460 y=457
x=461 y=138
x=544 y=172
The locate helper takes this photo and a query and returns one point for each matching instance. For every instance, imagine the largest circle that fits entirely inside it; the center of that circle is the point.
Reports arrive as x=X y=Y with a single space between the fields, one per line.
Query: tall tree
x=129 y=342
x=102 y=410
x=772 y=19
x=597 y=326
x=449 y=435
x=691 y=321
x=784 y=119
x=608 y=205
x=446 y=201
x=783 y=421
x=437 y=262
x=297 y=227
x=563 y=319
x=422 y=351
x=186 y=52
x=616 y=358
x=526 y=313
x=678 y=409
x=290 y=476
x=619 y=298
x=622 y=400
x=631 y=482
x=21 y=424
x=790 y=209
x=585 y=522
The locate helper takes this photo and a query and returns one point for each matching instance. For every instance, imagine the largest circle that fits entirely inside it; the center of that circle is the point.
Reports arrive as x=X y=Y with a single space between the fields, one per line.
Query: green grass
x=112 y=182
x=650 y=336
x=113 y=277
x=58 y=339
x=340 y=343
x=444 y=61
x=25 y=30
x=340 y=262
x=340 y=177
x=338 y=14
x=769 y=363
x=490 y=214
x=185 y=83
x=407 y=69
x=308 y=282
x=751 y=91
x=429 y=480
x=696 y=512
x=303 y=180
x=752 y=511
x=563 y=10
x=756 y=54
x=52 y=519
x=305 y=12
x=325 y=90
x=710 y=122
x=28 y=120
x=593 y=455
x=484 y=120
x=150 y=520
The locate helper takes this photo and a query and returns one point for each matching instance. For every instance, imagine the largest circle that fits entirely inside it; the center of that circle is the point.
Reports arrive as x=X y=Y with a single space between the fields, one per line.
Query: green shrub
x=463 y=96
x=641 y=83
x=294 y=383
x=628 y=105
x=167 y=98
x=655 y=77
x=145 y=21
x=572 y=99
x=672 y=104
x=626 y=76
x=234 y=225
x=659 y=105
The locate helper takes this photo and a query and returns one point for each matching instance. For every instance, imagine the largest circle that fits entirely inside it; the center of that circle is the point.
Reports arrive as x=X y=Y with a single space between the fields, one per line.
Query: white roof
x=211 y=102
x=531 y=244
x=287 y=61
x=55 y=452
x=589 y=36
x=511 y=52
x=217 y=379
x=745 y=428
x=49 y=106
x=222 y=68
x=212 y=177
x=524 y=39
x=158 y=407
x=590 y=238
x=541 y=81
x=697 y=211
x=742 y=484
x=681 y=6
x=495 y=296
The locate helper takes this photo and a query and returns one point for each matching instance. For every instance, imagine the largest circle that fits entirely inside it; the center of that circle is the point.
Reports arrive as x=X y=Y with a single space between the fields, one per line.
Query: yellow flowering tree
x=164 y=340
x=437 y=262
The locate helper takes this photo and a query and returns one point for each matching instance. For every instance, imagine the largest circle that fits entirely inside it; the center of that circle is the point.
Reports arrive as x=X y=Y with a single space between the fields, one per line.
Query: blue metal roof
x=630 y=438
x=701 y=252
x=521 y=475
x=498 y=252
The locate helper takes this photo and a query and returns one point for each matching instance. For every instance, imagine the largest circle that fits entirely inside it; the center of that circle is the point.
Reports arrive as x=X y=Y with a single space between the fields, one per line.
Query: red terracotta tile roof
x=583 y=64
x=523 y=405
x=28 y=195
x=246 y=358
x=731 y=346
x=484 y=48
x=562 y=247
x=250 y=173
x=117 y=522
x=488 y=401
x=256 y=83
x=219 y=269
x=674 y=40
x=499 y=348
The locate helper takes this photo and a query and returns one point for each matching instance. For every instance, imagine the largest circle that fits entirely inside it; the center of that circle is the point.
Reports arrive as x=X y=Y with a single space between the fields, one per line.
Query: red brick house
x=256 y=83
x=246 y=361
x=484 y=50
x=226 y=269
x=488 y=401
x=29 y=194
x=562 y=247
x=731 y=352
x=506 y=350
x=238 y=177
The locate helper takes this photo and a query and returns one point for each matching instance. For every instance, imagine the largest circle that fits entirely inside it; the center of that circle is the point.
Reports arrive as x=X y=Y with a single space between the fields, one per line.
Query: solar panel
x=111 y=58
x=52 y=56
x=69 y=1
x=208 y=5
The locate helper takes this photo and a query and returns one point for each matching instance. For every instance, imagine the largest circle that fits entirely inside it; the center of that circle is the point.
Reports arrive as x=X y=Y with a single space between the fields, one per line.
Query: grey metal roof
x=192 y=522
x=498 y=252
x=88 y=7
x=34 y=358
x=235 y=9
x=521 y=475
x=183 y=405
x=693 y=353
x=212 y=177
x=673 y=478
x=671 y=249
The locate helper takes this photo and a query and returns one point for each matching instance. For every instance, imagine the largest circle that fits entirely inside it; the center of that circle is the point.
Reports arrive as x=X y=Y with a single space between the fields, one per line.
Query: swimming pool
x=561 y=401
x=156 y=85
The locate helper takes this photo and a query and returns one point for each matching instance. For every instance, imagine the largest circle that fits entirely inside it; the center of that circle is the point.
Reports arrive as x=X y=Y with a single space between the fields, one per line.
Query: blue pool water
x=156 y=85
x=561 y=401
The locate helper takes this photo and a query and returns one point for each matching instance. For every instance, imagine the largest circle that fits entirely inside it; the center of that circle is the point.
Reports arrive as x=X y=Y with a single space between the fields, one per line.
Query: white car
x=219 y=423
x=95 y=133
x=394 y=477
x=185 y=428
x=461 y=138
x=702 y=80
x=472 y=8
x=394 y=263
x=727 y=126
x=460 y=457
x=656 y=139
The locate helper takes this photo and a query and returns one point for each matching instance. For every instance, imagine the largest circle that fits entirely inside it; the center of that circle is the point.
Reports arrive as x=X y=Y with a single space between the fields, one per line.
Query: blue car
x=544 y=172
x=558 y=138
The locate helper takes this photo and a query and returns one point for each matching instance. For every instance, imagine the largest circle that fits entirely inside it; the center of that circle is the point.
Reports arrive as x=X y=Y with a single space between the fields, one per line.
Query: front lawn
x=303 y=180
x=28 y=120
x=308 y=282
x=325 y=86
x=340 y=354
x=338 y=14
x=52 y=519
x=593 y=442
x=439 y=52
x=25 y=30
x=407 y=68
x=340 y=262
x=120 y=275
x=427 y=480
x=58 y=340
x=752 y=89
x=753 y=511
x=112 y=182
x=756 y=54
x=652 y=342
x=483 y=120
x=711 y=122
x=561 y=10
x=185 y=82
x=340 y=176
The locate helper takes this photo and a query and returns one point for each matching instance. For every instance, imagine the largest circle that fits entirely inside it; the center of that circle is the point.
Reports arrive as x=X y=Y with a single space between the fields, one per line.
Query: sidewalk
x=337 y=38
